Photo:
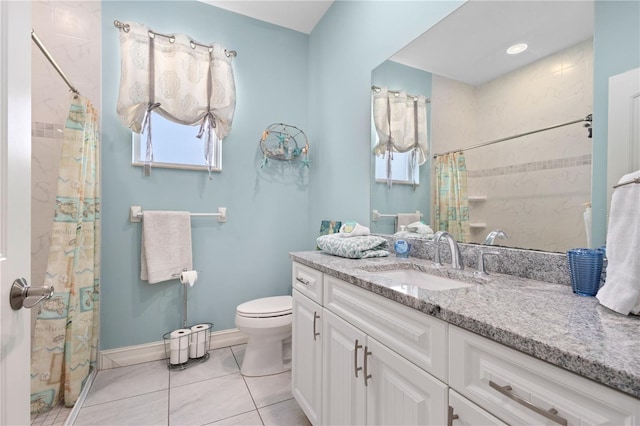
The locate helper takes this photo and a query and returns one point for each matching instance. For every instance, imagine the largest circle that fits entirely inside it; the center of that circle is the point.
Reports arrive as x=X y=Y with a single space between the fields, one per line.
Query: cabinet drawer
x=468 y=413
x=307 y=281
x=416 y=336
x=514 y=386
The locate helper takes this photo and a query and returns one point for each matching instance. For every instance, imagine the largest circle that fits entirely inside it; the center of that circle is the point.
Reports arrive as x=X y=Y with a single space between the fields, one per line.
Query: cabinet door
x=306 y=364
x=400 y=393
x=469 y=414
x=343 y=394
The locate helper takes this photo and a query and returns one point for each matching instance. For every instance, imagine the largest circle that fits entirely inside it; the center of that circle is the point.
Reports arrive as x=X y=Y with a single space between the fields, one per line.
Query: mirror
x=536 y=188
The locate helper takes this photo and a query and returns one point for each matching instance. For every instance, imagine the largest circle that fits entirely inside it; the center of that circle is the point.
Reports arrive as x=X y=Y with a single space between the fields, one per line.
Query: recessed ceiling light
x=517 y=48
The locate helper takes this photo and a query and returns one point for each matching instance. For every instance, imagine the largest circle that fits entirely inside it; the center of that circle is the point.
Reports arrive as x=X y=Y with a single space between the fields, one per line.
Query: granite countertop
x=544 y=320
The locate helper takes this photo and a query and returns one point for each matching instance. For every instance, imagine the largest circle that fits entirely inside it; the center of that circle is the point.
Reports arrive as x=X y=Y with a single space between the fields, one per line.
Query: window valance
x=401 y=123
x=178 y=79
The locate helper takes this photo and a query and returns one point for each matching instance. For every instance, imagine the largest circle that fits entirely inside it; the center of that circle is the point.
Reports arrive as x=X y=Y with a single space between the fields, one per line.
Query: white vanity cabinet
x=362 y=380
x=376 y=361
x=367 y=383
x=520 y=389
x=306 y=346
x=306 y=342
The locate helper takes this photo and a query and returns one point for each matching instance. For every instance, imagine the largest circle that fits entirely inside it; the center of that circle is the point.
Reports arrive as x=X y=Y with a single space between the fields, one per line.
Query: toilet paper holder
x=184 y=292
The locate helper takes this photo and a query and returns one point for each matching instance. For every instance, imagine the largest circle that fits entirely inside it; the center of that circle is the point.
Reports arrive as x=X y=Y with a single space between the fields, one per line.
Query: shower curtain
x=451 y=204
x=65 y=340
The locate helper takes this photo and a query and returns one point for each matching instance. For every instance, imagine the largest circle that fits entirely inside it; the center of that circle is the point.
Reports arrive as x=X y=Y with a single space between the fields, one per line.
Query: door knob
x=23 y=295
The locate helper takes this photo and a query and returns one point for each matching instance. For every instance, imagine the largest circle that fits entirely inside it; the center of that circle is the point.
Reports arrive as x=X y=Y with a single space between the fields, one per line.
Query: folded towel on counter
x=621 y=290
x=405 y=219
x=166 y=245
x=420 y=228
x=358 y=247
x=353 y=229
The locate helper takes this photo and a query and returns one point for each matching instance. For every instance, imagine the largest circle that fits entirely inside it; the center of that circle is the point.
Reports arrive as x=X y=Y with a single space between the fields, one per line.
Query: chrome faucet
x=496 y=233
x=456 y=256
x=481 y=262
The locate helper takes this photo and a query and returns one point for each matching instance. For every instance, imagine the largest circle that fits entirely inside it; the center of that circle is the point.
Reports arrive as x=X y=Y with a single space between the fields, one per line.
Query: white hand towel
x=166 y=245
x=404 y=219
x=621 y=291
x=353 y=229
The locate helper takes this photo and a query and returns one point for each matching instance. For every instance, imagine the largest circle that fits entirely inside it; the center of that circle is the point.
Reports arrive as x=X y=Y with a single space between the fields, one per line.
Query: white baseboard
x=154 y=351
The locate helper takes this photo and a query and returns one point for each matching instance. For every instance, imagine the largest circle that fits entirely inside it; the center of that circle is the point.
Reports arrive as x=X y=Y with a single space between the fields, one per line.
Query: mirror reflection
x=535 y=188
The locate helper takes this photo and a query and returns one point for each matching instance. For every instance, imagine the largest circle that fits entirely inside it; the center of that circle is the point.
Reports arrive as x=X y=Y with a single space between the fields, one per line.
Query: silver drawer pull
x=551 y=414
x=451 y=417
x=355 y=358
x=367 y=376
x=302 y=280
x=315 y=318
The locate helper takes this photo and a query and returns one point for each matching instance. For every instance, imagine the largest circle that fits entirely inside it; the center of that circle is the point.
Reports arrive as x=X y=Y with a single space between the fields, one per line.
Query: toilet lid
x=266 y=307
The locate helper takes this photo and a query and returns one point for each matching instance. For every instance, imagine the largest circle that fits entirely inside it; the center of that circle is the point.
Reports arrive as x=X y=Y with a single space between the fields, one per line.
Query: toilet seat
x=267 y=307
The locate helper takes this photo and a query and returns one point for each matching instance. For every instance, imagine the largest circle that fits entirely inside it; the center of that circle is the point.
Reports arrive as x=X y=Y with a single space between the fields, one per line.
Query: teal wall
x=401 y=198
x=320 y=83
x=616 y=47
x=242 y=259
x=351 y=40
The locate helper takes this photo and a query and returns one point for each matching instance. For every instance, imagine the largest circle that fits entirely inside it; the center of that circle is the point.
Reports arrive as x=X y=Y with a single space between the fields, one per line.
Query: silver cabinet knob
x=22 y=295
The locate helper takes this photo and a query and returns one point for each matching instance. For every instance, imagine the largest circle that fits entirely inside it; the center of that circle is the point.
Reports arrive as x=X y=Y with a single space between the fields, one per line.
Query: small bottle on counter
x=400 y=245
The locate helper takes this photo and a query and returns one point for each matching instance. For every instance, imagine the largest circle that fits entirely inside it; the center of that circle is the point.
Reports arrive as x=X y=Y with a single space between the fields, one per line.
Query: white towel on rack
x=166 y=245
x=621 y=291
x=404 y=219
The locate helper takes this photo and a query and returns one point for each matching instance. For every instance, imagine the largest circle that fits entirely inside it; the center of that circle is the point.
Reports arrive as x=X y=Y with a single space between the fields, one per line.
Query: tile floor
x=211 y=393
x=54 y=417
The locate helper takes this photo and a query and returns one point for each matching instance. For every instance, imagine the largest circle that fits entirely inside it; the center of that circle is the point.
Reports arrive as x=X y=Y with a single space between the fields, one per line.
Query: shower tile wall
x=536 y=186
x=70 y=30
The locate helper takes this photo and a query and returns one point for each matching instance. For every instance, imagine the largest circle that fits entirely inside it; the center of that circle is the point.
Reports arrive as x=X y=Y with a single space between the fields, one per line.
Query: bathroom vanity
x=373 y=347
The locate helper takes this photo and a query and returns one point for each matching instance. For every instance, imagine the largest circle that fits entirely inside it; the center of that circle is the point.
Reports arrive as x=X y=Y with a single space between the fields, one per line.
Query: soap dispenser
x=400 y=244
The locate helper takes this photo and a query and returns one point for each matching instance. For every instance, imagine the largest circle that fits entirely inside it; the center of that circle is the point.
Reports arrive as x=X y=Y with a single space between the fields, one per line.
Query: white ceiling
x=470 y=44
x=299 y=15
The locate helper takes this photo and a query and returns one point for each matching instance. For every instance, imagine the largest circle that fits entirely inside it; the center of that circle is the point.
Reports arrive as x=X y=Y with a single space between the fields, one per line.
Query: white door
x=400 y=393
x=15 y=206
x=343 y=395
x=623 y=141
x=306 y=366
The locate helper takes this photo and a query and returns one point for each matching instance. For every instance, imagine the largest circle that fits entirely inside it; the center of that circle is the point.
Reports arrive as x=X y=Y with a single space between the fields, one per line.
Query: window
x=400 y=169
x=175 y=146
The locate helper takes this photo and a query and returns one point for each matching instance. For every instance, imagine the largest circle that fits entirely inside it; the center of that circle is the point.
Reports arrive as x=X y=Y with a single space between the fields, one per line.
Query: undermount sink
x=421 y=279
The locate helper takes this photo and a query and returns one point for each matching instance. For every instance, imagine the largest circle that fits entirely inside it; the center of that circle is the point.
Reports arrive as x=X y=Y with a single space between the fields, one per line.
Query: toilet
x=267 y=323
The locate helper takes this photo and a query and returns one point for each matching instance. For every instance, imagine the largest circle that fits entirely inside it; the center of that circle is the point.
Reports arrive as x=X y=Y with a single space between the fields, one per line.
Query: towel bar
x=377 y=215
x=136 y=214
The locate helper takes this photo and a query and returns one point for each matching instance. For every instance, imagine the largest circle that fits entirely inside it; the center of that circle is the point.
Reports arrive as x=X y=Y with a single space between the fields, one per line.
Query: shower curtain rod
x=52 y=61
x=397 y=92
x=587 y=119
x=125 y=27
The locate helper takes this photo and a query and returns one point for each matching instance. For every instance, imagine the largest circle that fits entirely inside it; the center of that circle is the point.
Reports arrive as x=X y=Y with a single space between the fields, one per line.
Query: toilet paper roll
x=179 y=346
x=198 y=345
x=189 y=277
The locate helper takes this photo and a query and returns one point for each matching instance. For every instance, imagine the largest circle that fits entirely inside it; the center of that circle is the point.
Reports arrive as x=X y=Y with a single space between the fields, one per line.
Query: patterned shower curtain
x=452 y=204
x=65 y=340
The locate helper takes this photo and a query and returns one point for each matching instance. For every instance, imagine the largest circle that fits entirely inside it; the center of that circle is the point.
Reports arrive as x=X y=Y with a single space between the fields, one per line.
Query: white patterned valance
x=177 y=78
x=401 y=124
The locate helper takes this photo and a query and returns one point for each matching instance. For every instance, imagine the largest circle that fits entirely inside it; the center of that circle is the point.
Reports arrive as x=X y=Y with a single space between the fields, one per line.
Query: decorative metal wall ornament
x=284 y=142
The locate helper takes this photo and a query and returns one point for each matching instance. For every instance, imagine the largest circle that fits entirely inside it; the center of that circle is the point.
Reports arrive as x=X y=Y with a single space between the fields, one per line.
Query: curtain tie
x=389 y=160
x=207 y=126
x=146 y=128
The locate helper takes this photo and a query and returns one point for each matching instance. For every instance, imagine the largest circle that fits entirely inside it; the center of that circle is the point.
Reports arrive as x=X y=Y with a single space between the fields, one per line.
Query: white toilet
x=267 y=322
